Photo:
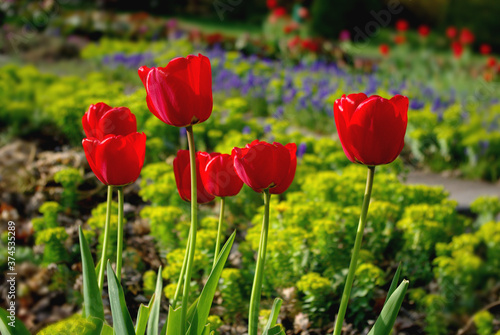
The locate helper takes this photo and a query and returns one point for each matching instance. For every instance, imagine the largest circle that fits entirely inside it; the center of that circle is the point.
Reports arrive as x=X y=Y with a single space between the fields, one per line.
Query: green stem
x=182 y=274
x=355 y=252
x=194 y=228
x=253 y=317
x=119 y=236
x=219 y=230
x=105 y=238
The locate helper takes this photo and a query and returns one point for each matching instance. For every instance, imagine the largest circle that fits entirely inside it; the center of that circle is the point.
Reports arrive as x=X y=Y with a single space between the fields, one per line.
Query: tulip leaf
x=174 y=321
x=394 y=283
x=6 y=324
x=155 y=311
x=122 y=322
x=199 y=318
x=91 y=295
x=387 y=317
x=107 y=330
x=275 y=330
x=143 y=316
x=273 y=317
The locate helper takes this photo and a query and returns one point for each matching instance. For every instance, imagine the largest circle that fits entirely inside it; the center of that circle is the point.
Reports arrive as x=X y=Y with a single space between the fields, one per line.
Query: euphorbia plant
x=371 y=130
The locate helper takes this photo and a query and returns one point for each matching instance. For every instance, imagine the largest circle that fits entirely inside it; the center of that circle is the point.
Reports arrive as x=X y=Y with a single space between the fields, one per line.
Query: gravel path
x=464 y=191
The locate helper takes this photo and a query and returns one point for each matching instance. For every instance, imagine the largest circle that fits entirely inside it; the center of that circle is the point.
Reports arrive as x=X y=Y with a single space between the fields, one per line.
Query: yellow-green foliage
x=230 y=288
x=486 y=205
x=75 y=324
x=149 y=283
x=215 y=323
x=68 y=177
x=158 y=184
x=163 y=221
x=317 y=295
x=53 y=239
x=175 y=258
x=483 y=321
x=50 y=209
x=97 y=221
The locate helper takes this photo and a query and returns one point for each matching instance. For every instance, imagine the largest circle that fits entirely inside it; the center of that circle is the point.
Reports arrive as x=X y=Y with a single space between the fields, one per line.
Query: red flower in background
x=290 y=27
x=182 y=174
x=309 y=44
x=371 y=129
x=101 y=120
x=180 y=94
x=466 y=36
x=303 y=13
x=116 y=160
x=262 y=165
x=384 y=49
x=451 y=32
x=491 y=62
x=399 y=39
x=457 y=48
x=272 y=4
x=402 y=25
x=485 y=49
x=279 y=12
x=293 y=42
x=219 y=176
x=424 y=30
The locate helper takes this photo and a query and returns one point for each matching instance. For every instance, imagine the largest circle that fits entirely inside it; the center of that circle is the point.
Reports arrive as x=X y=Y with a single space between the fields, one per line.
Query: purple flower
x=267 y=128
x=246 y=130
x=301 y=150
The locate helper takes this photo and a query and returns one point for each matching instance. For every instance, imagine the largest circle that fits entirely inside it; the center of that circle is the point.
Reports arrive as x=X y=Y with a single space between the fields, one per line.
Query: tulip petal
x=90 y=148
x=116 y=121
x=375 y=131
x=143 y=74
x=290 y=175
x=171 y=96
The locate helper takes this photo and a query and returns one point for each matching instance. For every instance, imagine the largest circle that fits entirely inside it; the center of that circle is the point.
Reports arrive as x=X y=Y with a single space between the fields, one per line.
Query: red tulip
x=451 y=32
x=485 y=49
x=402 y=25
x=384 y=49
x=101 y=120
x=371 y=129
x=400 y=39
x=457 y=48
x=466 y=36
x=491 y=62
x=272 y=4
x=220 y=178
x=180 y=94
x=116 y=160
x=279 y=12
x=424 y=30
x=182 y=174
x=262 y=165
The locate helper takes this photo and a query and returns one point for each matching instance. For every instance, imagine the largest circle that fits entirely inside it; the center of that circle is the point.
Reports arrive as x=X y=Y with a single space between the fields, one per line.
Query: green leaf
x=6 y=329
x=387 y=317
x=199 y=319
x=174 y=321
x=91 y=295
x=206 y=330
x=122 y=322
x=275 y=330
x=107 y=330
x=143 y=316
x=275 y=311
x=394 y=283
x=155 y=311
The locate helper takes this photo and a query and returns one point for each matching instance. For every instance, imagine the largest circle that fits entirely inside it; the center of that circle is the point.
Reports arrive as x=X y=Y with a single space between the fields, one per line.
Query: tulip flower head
x=182 y=174
x=262 y=165
x=219 y=176
x=371 y=129
x=180 y=94
x=101 y=120
x=116 y=160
